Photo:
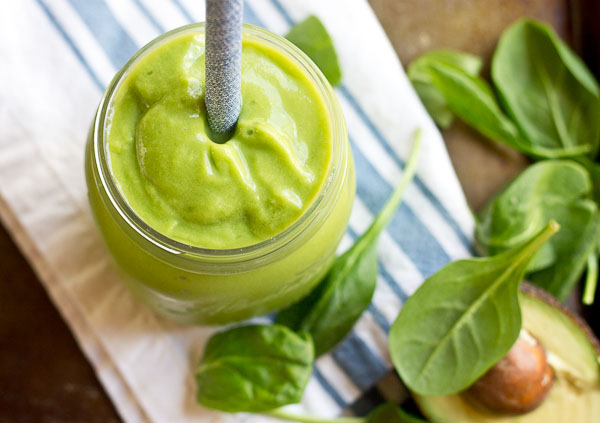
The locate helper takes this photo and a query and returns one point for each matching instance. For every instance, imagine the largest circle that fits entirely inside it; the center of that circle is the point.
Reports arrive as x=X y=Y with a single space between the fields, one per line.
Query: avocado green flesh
x=575 y=394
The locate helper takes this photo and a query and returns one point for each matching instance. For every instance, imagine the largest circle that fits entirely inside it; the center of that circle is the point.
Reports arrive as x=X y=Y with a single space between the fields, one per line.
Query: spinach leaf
x=254 y=368
x=291 y=417
x=385 y=413
x=312 y=38
x=593 y=169
x=391 y=413
x=547 y=90
x=472 y=99
x=560 y=278
x=462 y=320
x=559 y=190
x=329 y=312
x=591 y=279
x=432 y=98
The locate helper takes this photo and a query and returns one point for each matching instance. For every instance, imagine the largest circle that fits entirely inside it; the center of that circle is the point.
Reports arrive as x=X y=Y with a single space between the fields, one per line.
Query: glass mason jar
x=207 y=286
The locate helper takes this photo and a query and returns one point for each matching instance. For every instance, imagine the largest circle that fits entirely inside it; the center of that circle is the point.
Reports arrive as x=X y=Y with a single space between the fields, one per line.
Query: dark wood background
x=45 y=378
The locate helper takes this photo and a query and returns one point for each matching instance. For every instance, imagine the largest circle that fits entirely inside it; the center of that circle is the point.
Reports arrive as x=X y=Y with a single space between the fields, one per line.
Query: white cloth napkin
x=56 y=58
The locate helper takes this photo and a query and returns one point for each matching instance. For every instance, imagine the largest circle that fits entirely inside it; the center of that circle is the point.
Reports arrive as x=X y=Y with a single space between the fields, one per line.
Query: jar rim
x=285 y=239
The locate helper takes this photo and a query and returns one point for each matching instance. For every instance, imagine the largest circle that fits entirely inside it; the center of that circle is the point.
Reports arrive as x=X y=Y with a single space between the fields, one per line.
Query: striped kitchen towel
x=57 y=58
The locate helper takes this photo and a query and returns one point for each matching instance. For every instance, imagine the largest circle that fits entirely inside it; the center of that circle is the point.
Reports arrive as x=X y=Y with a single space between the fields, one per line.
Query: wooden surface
x=44 y=377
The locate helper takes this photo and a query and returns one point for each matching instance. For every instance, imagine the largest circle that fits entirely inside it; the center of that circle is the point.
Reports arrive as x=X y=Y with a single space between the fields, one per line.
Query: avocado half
x=572 y=351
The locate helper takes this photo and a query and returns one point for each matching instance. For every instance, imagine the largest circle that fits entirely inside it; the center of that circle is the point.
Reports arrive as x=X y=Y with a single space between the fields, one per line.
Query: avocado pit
x=519 y=382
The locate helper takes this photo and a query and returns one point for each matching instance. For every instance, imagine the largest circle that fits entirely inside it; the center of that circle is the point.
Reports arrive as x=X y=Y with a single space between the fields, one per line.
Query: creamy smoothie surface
x=210 y=195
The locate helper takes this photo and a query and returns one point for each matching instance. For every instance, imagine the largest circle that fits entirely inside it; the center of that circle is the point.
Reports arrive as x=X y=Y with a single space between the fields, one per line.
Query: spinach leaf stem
x=284 y=415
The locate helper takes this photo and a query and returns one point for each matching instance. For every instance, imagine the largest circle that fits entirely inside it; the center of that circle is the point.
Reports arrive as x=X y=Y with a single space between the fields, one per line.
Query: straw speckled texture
x=223 y=63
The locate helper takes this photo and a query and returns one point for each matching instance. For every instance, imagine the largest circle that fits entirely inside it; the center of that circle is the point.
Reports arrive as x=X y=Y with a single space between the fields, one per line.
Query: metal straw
x=223 y=63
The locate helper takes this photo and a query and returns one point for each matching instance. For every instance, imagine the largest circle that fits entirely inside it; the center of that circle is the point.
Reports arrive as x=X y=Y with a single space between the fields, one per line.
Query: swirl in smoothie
x=206 y=194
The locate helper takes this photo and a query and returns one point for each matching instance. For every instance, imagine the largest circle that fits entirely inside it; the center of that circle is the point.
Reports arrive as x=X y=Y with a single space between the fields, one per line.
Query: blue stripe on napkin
x=153 y=20
x=402 y=295
x=381 y=320
x=72 y=45
x=251 y=17
x=359 y=362
x=184 y=11
x=406 y=228
x=106 y=29
x=329 y=389
x=284 y=13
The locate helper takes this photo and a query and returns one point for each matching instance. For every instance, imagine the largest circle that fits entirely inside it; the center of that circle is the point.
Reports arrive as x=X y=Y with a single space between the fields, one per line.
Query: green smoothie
x=213 y=195
x=204 y=232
